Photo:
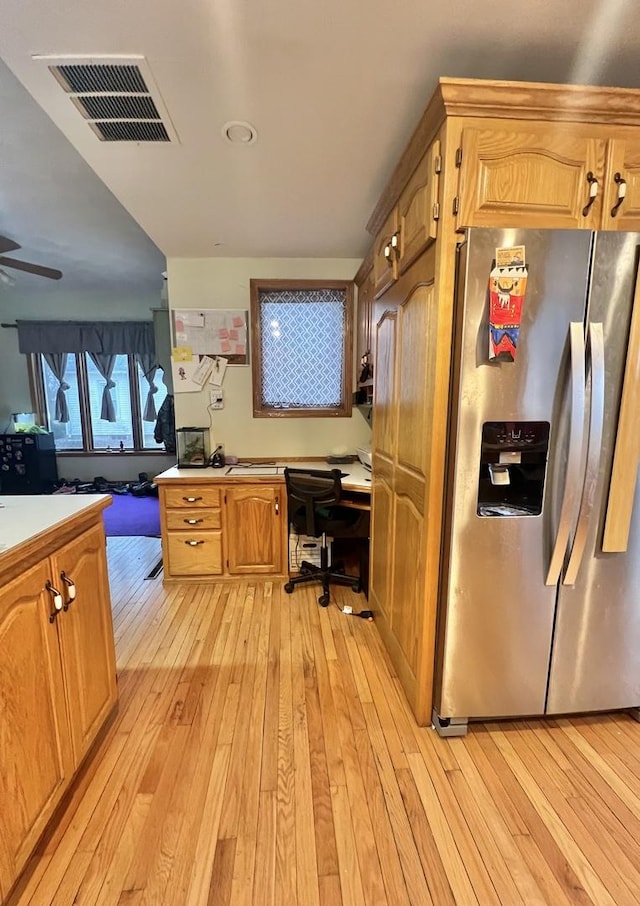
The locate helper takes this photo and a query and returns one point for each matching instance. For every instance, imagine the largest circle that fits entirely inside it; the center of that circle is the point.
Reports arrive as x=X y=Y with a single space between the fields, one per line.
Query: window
x=302 y=336
x=86 y=429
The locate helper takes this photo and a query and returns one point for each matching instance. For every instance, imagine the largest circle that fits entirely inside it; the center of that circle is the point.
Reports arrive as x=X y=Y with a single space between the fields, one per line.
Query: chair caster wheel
x=289 y=587
x=357 y=588
x=323 y=600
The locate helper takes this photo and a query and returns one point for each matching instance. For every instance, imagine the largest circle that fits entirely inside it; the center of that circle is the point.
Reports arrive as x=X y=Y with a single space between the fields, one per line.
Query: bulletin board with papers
x=213 y=332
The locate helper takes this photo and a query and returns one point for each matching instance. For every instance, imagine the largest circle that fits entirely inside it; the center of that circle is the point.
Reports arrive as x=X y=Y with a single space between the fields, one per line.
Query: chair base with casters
x=313 y=501
x=324 y=574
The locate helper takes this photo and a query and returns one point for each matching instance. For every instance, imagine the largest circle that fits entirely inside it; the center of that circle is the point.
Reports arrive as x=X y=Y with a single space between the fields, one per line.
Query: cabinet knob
x=57 y=601
x=71 y=590
x=622 y=191
x=593 y=192
x=192 y=521
x=192 y=499
x=194 y=543
x=277 y=506
x=387 y=253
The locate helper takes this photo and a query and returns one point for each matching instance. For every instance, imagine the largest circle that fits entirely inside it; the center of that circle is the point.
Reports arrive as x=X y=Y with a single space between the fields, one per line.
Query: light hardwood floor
x=263 y=754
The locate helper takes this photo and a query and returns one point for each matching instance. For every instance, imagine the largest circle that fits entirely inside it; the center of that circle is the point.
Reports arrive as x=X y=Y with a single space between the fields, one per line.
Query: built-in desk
x=224 y=523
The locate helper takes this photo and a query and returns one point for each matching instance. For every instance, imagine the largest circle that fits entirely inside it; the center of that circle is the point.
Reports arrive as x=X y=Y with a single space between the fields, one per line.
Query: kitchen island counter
x=58 y=670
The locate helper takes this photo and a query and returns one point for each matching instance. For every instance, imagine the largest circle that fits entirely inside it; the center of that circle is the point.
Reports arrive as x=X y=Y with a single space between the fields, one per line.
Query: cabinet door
x=623 y=176
x=365 y=298
x=381 y=569
x=384 y=394
x=254 y=523
x=385 y=258
x=415 y=356
x=35 y=749
x=417 y=208
x=530 y=175
x=86 y=636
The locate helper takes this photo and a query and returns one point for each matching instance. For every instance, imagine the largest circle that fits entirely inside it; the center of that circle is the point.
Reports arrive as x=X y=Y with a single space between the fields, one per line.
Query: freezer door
x=496 y=613
x=595 y=661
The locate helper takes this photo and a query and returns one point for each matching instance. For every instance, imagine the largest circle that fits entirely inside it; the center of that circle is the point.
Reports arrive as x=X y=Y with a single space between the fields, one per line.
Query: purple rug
x=129 y=515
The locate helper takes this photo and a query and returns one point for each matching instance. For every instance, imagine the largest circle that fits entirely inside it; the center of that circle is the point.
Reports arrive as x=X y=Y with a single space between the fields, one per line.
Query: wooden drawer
x=192 y=496
x=194 y=553
x=193 y=519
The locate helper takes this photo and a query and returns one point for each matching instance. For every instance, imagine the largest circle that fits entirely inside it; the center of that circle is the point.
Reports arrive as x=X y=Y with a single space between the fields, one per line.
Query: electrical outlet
x=216 y=398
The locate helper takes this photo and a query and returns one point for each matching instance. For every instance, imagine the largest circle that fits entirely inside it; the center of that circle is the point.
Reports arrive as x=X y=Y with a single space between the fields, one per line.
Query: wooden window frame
x=259 y=409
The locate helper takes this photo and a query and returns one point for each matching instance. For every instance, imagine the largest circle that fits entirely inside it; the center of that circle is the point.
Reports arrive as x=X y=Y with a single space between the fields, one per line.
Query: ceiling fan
x=8 y=245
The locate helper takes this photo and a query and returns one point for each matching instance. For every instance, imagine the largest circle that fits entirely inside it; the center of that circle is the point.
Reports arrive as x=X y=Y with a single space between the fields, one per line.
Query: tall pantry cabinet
x=494 y=154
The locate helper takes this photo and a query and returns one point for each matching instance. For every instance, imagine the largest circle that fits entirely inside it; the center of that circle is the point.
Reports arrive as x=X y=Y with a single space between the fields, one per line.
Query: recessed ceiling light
x=239 y=133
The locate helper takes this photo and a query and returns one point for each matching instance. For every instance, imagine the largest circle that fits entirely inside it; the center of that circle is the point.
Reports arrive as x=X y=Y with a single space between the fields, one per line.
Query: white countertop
x=355 y=477
x=24 y=516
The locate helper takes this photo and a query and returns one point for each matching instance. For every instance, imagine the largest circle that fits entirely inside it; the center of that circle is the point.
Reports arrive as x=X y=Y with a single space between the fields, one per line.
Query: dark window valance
x=103 y=337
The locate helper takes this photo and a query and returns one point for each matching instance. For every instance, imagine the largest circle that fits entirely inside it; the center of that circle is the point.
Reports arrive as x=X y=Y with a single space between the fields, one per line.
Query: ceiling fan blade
x=36 y=269
x=8 y=245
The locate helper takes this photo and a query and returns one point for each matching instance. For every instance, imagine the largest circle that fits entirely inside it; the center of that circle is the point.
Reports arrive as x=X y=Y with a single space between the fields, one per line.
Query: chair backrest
x=311 y=489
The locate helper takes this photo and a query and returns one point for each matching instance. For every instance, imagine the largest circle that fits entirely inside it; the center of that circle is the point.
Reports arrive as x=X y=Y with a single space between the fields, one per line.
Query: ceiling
x=334 y=90
x=63 y=216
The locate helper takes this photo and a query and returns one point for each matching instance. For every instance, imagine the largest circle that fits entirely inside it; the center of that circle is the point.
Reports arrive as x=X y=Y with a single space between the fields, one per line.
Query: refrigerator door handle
x=576 y=441
x=596 y=425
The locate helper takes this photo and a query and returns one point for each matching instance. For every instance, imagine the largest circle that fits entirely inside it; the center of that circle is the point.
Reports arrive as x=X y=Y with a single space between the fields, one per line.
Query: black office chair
x=313 y=498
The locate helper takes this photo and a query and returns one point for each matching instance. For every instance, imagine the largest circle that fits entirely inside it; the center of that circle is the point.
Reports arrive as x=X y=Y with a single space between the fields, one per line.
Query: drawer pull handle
x=593 y=192
x=192 y=521
x=71 y=590
x=622 y=191
x=194 y=543
x=57 y=601
x=192 y=499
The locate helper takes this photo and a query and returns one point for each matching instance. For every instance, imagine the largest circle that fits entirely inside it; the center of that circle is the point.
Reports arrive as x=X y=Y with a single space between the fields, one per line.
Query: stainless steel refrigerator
x=534 y=617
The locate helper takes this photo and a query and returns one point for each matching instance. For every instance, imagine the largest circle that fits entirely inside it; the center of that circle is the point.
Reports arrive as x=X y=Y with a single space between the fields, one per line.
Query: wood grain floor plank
x=431 y=750
x=342 y=687
x=552 y=853
x=444 y=836
x=493 y=829
x=285 y=879
x=264 y=755
x=324 y=831
x=306 y=857
x=550 y=811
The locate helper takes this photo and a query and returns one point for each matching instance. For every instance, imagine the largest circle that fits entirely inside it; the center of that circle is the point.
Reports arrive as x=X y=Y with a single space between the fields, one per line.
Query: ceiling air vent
x=128 y=131
x=117 y=97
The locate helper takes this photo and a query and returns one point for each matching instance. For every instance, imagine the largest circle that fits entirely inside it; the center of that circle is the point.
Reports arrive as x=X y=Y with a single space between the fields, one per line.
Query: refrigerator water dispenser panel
x=513 y=465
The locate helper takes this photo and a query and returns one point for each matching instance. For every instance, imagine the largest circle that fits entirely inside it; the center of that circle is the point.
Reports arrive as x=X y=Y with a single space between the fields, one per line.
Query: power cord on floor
x=363 y=614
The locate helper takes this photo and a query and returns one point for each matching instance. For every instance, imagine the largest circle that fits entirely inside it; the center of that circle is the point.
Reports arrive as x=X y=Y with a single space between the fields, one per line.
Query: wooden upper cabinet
x=418 y=208
x=254 y=528
x=621 y=197
x=86 y=636
x=365 y=299
x=385 y=259
x=531 y=174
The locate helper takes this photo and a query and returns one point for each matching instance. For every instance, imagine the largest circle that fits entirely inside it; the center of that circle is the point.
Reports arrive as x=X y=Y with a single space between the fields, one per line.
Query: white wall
x=224 y=283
